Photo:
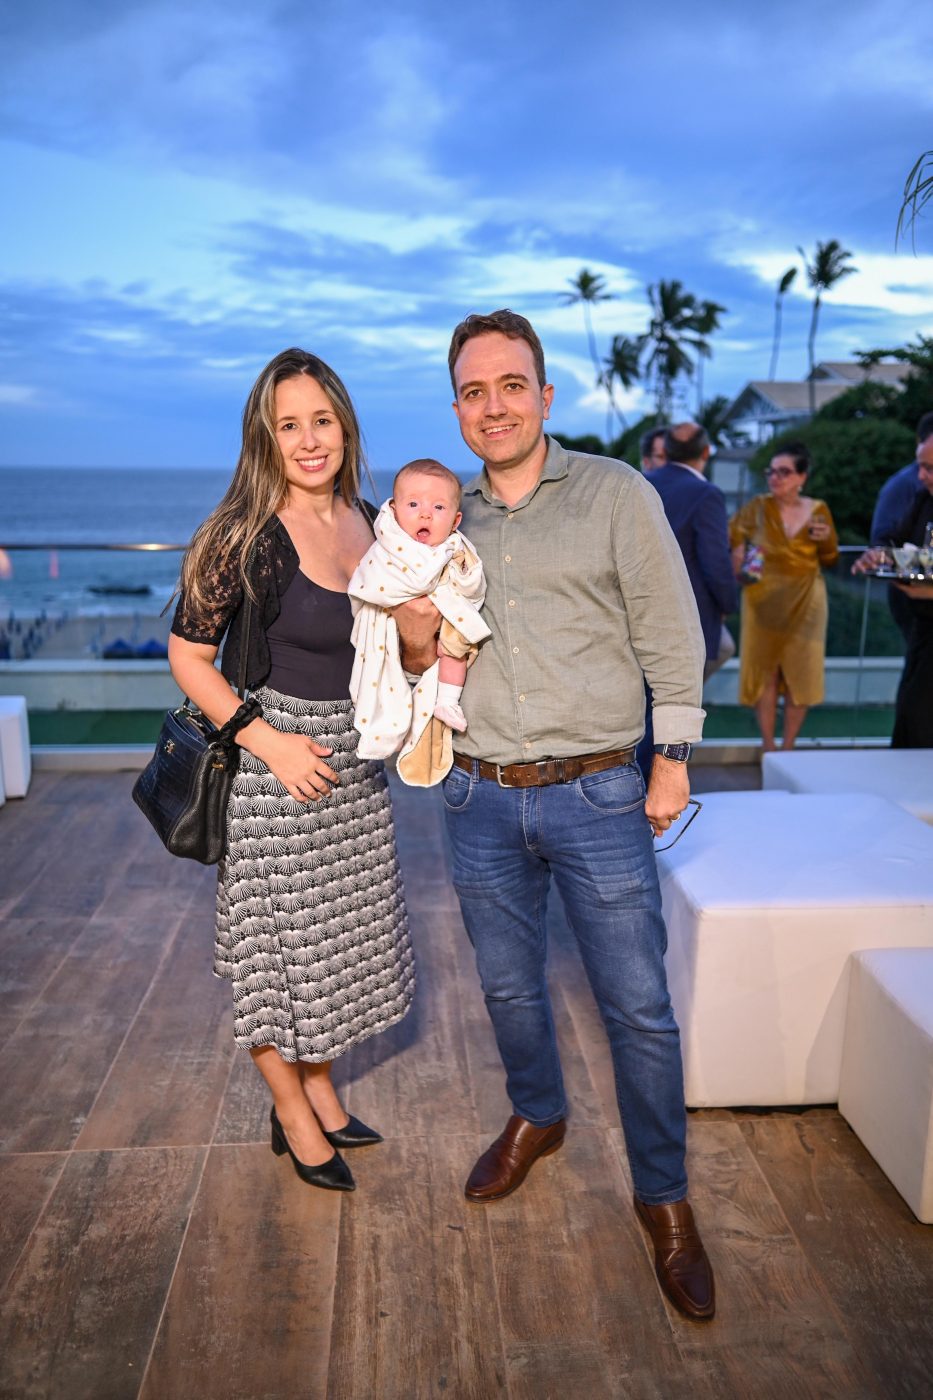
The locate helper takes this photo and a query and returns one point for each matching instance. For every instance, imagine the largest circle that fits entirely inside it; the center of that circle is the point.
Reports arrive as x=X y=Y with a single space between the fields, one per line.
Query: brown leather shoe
x=680 y=1262
x=504 y=1166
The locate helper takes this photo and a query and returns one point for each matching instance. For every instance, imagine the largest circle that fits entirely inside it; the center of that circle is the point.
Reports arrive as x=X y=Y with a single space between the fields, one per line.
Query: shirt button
x=508 y=558
x=510 y=514
x=527 y=743
x=515 y=650
x=522 y=698
x=511 y=602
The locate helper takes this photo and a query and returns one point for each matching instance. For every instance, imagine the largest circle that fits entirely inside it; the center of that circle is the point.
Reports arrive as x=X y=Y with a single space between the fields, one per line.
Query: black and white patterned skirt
x=311 y=922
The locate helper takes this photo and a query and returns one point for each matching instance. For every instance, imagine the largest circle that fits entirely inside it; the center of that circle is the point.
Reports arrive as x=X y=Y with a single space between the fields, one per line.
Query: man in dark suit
x=696 y=512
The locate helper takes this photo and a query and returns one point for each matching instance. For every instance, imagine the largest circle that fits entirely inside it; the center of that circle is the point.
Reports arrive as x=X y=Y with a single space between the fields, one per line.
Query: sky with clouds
x=191 y=187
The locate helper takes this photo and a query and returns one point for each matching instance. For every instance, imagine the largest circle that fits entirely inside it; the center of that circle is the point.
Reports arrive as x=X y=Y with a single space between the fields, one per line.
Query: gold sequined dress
x=784 y=614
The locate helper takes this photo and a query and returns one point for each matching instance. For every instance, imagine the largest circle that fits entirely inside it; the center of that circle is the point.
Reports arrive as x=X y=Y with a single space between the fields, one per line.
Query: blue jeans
x=593 y=836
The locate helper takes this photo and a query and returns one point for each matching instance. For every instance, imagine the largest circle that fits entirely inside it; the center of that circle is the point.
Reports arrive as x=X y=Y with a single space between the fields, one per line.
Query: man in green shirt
x=587 y=597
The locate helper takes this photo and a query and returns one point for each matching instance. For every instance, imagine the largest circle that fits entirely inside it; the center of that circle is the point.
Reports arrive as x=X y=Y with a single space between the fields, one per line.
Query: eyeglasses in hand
x=697 y=808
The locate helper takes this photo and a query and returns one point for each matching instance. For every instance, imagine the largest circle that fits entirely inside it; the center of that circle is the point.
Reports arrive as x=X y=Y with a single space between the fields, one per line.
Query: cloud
x=311 y=105
x=18 y=395
x=195 y=187
x=897 y=284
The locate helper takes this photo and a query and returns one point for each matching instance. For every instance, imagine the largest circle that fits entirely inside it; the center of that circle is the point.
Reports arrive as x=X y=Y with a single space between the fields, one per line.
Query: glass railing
x=73 y=602
x=83 y=634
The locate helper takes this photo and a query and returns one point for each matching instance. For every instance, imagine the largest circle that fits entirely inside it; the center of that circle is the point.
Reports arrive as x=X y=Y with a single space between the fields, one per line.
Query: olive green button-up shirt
x=587 y=594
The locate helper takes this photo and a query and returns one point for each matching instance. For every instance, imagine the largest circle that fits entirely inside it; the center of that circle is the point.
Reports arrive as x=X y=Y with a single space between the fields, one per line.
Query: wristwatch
x=678 y=752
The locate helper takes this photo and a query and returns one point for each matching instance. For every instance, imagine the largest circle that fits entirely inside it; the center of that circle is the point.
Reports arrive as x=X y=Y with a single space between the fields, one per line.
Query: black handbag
x=184 y=789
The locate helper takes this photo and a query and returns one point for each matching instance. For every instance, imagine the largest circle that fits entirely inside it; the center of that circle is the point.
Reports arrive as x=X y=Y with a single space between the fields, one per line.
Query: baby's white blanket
x=394 y=570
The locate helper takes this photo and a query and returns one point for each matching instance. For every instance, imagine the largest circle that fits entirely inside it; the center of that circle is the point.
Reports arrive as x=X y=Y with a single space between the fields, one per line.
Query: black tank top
x=309 y=642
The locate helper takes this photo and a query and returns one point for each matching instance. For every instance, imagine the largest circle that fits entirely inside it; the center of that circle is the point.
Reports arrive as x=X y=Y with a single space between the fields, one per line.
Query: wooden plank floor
x=151 y=1245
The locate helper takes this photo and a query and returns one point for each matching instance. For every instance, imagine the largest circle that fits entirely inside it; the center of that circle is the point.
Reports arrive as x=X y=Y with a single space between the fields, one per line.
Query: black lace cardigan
x=274 y=565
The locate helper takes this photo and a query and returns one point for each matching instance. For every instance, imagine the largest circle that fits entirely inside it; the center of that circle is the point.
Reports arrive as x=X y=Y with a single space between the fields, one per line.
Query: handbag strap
x=226 y=734
x=245 y=631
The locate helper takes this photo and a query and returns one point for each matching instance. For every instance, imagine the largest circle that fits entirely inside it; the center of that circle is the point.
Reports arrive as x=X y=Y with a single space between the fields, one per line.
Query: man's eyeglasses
x=697 y=808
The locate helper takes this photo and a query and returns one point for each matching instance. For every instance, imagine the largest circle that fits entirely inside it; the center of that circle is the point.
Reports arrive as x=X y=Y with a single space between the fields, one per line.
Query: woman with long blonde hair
x=311 y=923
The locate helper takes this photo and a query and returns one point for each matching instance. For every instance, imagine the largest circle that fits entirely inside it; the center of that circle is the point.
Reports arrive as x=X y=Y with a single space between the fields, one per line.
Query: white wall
x=91 y=685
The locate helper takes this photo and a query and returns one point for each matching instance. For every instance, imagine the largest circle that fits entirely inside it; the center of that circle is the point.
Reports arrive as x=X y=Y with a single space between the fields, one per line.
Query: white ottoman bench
x=14 y=745
x=903 y=775
x=886 y=1093
x=765 y=898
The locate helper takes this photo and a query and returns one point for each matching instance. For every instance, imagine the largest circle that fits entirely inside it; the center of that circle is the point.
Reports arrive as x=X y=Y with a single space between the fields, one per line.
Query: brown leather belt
x=547 y=770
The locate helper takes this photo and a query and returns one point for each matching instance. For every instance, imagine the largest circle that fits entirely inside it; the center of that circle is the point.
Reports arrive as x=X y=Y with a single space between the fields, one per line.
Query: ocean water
x=56 y=506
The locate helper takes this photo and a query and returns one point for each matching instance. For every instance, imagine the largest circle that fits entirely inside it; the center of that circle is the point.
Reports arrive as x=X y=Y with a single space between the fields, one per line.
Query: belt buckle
x=499 y=777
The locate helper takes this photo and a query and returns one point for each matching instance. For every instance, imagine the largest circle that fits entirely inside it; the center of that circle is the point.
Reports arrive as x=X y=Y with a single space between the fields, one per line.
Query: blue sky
x=188 y=188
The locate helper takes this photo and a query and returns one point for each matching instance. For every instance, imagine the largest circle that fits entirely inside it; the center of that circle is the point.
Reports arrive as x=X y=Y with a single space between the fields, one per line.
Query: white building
x=766 y=407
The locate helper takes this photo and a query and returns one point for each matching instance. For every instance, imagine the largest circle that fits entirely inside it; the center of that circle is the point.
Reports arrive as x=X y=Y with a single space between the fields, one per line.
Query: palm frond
x=586 y=286
x=918 y=190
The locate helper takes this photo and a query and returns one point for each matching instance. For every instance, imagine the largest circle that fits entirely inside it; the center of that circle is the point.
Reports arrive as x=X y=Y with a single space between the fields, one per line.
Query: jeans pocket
x=616 y=790
x=457 y=789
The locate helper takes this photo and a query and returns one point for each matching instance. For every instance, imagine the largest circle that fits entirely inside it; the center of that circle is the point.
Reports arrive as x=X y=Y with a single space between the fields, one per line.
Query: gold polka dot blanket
x=390 y=714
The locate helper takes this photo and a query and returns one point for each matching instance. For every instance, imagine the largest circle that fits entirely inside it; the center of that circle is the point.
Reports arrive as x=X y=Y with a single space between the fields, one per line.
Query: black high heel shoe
x=352 y=1134
x=332 y=1175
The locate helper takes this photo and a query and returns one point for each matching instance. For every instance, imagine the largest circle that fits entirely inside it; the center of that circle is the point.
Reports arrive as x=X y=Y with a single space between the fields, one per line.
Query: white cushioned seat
x=15 y=754
x=765 y=898
x=903 y=775
x=886 y=1092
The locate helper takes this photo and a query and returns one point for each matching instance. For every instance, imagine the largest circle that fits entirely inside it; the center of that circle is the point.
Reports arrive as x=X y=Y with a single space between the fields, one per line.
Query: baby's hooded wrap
x=391 y=716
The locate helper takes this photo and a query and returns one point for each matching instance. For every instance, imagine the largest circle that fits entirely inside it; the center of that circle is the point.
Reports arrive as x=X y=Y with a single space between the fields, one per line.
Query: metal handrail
x=154 y=548
x=140 y=548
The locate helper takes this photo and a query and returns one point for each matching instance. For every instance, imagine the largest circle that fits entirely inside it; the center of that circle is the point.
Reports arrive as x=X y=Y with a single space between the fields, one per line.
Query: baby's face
x=426 y=508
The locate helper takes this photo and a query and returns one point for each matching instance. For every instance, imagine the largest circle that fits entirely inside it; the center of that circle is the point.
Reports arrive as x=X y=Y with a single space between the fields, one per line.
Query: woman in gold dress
x=784 y=613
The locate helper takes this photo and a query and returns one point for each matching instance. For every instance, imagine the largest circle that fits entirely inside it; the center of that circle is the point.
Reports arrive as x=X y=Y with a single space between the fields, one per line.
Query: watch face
x=678 y=752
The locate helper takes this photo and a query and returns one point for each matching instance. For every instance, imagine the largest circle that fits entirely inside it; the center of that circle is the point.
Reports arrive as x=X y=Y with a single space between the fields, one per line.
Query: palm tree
x=782 y=288
x=622 y=364
x=830 y=264
x=671 y=312
x=588 y=287
x=705 y=321
x=712 y=416
x=678 y=321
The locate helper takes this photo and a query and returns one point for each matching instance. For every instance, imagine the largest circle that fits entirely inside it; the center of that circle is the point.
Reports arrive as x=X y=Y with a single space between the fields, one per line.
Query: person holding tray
x=913 y=713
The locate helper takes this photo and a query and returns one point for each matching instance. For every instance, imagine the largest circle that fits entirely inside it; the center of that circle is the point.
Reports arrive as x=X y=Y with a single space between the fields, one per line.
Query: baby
x=426 y=503
x=418 y=553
